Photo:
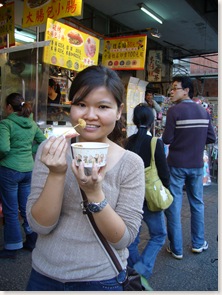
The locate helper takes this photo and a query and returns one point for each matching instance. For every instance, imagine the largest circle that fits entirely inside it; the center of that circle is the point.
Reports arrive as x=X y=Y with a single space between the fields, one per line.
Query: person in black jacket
x=139 y=143
x=54 y=97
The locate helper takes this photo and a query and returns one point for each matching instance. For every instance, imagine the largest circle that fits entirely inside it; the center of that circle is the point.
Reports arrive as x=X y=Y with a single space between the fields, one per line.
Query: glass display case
x=58 y=114
x=23 y=71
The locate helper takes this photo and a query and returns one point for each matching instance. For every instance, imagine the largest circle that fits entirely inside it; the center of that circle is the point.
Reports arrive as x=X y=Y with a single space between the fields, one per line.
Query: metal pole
x=37 y=77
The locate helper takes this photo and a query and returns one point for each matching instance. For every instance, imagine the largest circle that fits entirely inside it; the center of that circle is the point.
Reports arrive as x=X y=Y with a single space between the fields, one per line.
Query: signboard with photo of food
x=69 y=48
x=36 y=12
x=125 y=52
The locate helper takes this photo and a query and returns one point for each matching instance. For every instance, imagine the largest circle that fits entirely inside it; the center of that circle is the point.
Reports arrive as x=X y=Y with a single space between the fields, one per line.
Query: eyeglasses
x=175 y=89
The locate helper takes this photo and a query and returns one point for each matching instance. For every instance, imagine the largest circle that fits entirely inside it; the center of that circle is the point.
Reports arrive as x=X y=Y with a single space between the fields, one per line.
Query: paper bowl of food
x=90 y=153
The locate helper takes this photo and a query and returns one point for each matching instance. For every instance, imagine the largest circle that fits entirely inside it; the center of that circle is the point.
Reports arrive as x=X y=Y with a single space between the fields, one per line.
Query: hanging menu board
x=7 y=25
x=135 y=95
x=125 y=53
x=69 y=48
x=36 y=12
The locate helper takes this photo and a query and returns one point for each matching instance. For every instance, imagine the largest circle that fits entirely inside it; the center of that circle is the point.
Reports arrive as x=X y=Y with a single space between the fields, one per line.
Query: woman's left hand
x=91 y=184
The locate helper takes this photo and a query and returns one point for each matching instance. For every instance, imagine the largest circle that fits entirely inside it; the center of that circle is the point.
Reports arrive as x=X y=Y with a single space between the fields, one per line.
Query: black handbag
x=132 y=280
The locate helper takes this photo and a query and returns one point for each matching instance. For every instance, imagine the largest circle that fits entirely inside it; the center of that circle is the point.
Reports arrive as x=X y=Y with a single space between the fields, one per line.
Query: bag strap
x=153 y=149
x=106 y=245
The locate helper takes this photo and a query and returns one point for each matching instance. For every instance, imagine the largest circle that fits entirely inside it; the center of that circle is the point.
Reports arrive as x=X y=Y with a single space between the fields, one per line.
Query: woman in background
x=139 y=143
x=54 y=97
x=17 y=132
x=54 y=94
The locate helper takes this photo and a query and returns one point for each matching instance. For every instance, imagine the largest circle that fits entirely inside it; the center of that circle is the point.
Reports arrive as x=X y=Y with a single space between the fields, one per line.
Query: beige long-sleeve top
x=69 y=250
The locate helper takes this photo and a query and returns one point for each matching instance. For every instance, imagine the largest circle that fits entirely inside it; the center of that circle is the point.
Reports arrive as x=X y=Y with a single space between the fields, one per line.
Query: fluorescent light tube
x=150 y=13
x=23 y=38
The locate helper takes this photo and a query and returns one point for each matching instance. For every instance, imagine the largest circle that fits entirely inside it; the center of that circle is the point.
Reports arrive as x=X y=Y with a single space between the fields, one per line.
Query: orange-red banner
x=69 y=48
x=7 y=25
x=125 y=53
x=37 y=12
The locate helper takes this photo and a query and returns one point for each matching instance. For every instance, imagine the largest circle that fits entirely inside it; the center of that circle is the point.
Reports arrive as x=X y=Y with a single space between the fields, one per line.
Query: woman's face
x=99 y=110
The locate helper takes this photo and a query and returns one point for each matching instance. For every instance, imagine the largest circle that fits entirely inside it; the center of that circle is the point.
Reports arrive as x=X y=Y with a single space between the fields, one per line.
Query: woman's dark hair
x=143 y=118
x=54 y=85
x=93 y=77
x=186 y=82
x=18 y=104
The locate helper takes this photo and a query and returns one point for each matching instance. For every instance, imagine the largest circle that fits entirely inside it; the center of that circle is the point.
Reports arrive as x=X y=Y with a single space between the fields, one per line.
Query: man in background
x=188 y=129
x=152 y=103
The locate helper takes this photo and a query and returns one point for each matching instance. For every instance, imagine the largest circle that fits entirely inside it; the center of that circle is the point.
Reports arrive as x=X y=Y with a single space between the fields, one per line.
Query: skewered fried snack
x=81 y=123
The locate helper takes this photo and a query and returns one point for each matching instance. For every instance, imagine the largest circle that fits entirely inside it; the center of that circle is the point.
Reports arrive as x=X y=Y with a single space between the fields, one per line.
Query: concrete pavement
x=195 y=272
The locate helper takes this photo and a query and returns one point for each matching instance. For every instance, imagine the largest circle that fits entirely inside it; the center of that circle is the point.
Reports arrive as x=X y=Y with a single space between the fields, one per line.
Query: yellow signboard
x=7 y=21
x=125 y=53
x=69 y=48
x=36 y=12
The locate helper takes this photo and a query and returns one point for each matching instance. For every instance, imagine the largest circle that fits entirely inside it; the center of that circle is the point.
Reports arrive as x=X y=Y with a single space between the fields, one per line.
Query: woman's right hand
x=54 y=154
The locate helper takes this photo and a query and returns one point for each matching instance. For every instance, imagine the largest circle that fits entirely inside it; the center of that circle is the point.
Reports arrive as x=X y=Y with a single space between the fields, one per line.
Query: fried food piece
x=82 y=123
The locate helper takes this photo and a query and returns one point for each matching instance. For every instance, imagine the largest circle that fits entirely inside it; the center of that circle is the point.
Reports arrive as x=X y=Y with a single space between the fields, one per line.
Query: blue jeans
x=39 y=282
x=144 y=263
x=14 y=190
x=193 y=179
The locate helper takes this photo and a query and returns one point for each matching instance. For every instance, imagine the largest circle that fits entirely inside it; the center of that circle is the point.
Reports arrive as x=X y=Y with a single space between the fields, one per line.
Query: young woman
x=68 y=256
x=139 y=143
x=18 y=133
x=54 y=97
x=54 y=94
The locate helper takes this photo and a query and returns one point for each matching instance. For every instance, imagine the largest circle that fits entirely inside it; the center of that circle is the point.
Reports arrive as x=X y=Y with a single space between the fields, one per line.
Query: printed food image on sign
x=75 y=38
x=69 y=64
x=53 y=60
x=36 y=3
x=90 y=46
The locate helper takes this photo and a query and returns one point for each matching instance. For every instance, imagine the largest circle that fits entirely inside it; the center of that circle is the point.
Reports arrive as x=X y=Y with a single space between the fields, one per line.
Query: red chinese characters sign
x=37 y=12
x=125 y=53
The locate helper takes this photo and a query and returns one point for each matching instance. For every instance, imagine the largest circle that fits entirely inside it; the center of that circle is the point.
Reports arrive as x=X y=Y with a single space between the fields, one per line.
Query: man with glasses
x=188 y=129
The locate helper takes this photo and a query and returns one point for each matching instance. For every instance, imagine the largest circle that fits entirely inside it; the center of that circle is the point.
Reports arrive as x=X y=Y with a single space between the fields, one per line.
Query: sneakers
x=145 y=284
x=177 y=256
x=201 y=249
